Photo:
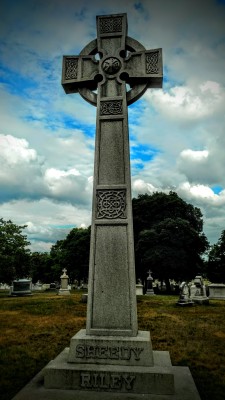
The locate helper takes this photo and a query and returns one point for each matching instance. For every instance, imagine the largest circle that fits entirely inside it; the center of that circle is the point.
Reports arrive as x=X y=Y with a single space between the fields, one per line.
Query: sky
x=47 y=137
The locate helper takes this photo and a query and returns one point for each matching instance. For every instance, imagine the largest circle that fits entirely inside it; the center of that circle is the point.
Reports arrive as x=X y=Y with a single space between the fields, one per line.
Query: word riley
x=106 y=381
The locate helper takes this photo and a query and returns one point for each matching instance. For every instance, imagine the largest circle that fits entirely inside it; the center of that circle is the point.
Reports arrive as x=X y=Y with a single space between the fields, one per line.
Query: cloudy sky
x=47 y=137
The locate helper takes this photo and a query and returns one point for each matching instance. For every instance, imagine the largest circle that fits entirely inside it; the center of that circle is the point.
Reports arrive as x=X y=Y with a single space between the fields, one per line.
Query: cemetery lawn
x=35 y=329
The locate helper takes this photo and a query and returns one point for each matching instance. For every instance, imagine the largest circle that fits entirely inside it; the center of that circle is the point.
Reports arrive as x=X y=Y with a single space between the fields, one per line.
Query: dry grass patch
x=35 y=329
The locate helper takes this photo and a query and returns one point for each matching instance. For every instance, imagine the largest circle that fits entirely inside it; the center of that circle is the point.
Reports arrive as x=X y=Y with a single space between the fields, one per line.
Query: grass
x=35 y=329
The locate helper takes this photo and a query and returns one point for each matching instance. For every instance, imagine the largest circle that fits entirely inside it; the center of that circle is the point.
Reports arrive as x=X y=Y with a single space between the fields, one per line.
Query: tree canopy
x=216 y=261
x=73 y=253
x=14 y=253
x=168 y=237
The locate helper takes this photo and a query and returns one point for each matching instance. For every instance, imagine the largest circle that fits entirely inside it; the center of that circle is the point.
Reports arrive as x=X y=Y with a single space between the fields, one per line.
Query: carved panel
x=111 y=65
x=112 y=107
x=110 y=24
x=71 y=68
x=152 y=63
x=111 y=204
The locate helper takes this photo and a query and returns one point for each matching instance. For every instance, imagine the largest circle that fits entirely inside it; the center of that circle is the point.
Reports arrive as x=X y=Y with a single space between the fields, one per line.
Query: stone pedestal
x=139 y=289
x=93 y=381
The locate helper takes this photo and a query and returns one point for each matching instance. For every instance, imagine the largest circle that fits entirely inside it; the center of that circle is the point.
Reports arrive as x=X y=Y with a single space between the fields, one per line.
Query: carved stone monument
x=184 y=298
x=111 y=358
x=198 y=291
x=64 y=289
x=150 y=290
x=21 y=287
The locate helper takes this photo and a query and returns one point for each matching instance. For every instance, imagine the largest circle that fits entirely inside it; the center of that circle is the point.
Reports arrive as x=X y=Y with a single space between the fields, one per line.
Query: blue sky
x=47 y=137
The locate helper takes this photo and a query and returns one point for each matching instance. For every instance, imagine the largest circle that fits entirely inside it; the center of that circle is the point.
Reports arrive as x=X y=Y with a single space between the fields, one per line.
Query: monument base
x=111 y=350
x=64 y=292
x=150 y=292
x=184 y=386
x=200 y=300
x=113 y=367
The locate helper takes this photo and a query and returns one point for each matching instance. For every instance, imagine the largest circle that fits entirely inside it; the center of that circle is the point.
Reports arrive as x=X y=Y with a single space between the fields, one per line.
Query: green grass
x=35 y=329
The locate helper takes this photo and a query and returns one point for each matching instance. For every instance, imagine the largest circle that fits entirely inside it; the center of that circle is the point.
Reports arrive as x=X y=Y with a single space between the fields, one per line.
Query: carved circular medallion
x=132 y=95
x=111 y=65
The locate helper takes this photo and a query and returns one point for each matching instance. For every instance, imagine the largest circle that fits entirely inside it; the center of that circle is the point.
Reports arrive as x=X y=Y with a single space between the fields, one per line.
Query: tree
x=14 y=253
x=168 y=237
x=216 y=261
x=73 y=253
x=41 y=267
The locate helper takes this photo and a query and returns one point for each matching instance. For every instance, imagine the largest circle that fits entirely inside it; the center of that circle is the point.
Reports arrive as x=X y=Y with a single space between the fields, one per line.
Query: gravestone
x=184 y=298
x=198 y=291
x=37 y=287
x=64 y=289
x=112 y=359
x=150 y=290
x=139 y=288
x=21 y=287
x=217 y=291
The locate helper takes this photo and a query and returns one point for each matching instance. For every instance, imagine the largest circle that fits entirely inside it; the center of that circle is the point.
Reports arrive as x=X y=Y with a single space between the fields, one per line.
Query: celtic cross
x=123 y=61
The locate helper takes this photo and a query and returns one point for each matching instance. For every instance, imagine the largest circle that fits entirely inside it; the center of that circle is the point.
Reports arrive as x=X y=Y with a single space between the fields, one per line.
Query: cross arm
x=144 y=67
x=78 y=72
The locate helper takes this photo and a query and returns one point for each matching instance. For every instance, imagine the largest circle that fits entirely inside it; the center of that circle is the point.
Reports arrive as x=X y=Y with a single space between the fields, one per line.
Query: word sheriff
x=108 y=352
x=106 y=381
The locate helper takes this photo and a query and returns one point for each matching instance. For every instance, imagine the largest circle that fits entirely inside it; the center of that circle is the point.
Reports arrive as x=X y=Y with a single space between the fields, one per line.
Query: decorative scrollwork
x=111 y=65
x=109 y=25
x=111 y=204
x=152 y=63
x=71 y=68
x=112 y=107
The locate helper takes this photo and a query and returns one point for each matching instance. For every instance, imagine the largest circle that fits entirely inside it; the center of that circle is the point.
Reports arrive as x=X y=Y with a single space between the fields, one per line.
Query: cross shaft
x=112 y=291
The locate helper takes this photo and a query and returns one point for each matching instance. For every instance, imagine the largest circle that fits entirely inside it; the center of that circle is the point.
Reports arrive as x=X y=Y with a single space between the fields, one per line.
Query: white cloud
x=14 y=150
x=140 y=186
x=195 y=155
x=47 y=220
x=188 y=103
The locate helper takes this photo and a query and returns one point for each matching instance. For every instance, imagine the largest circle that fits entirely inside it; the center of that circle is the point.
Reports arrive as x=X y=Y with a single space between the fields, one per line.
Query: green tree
x=14 y=253
x=73 y=254
x=168 y=237
x=216 y=261
x=41 y=267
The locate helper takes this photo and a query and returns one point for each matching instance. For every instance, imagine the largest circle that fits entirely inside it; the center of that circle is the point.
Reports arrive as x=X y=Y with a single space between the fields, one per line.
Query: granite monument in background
x=111 y=359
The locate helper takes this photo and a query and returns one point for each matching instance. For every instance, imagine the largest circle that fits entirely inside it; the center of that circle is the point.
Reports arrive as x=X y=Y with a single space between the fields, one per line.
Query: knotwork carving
x=111 y=204
x=152 y=66
x=109 y=25
x=111 y=65
x=71 y=66
x=112 y=107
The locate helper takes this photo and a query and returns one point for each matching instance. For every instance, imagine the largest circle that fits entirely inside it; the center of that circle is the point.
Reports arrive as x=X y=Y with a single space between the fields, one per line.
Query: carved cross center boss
x=123 y=60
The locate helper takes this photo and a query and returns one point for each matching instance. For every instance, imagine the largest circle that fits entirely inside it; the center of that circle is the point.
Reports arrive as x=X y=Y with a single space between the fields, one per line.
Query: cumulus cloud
x=47 y=221
x=186 y=103
x=25 y=175
x=14 y=150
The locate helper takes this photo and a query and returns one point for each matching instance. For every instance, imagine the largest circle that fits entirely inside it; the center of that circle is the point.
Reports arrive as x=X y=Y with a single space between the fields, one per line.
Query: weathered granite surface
x=184 y=386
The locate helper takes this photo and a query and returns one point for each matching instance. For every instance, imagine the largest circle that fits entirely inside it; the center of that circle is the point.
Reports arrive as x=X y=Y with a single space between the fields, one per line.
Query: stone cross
x=108 y=65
